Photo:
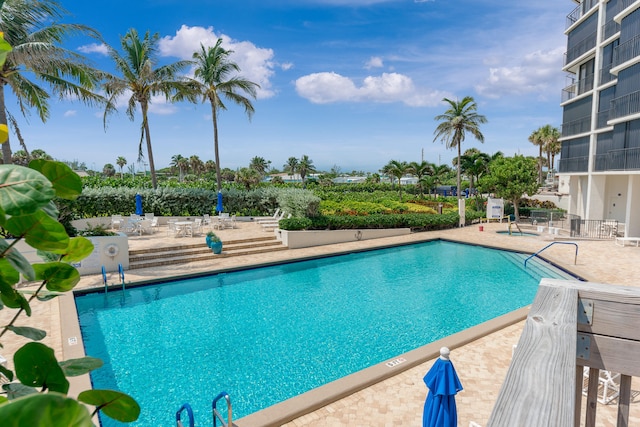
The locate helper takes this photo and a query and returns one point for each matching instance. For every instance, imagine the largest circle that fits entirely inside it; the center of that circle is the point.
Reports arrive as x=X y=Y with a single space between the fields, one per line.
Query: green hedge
x=417 y=222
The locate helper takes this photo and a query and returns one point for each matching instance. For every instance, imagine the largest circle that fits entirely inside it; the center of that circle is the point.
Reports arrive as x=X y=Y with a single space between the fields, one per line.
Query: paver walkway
x=398 y=401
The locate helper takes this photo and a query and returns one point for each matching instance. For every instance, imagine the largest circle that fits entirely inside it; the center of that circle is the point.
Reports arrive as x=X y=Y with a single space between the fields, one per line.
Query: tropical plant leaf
x=79 y=248
x=113 y=404
x=28 y=332
x=23 y=190
x=51 y=209
x=18 y=261
x=15 y=300
x=45 y=410
x=6 y=372
x=36 y=366
x=9 y=276
x=16 y=390
x=40 y=231
x=66 y=183
x=81 y=366
x=60 y=277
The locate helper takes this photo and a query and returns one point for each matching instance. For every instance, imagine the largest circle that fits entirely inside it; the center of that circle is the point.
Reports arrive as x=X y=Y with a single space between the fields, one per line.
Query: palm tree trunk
x=215 y=147
x=6 y=147
x=540 y=166
x=152 y=167
x=459 y=155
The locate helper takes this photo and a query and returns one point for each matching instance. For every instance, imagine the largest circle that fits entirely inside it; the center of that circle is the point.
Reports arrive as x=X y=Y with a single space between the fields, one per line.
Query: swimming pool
x=270 y=333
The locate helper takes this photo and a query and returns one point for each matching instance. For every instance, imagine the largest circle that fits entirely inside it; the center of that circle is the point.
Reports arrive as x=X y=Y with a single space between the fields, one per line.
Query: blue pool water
x=268 y=334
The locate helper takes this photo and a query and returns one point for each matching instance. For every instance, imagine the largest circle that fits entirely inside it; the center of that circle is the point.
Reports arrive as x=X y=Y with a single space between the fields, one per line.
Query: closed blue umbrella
x=219 y=204
x=138 y=204
x=444 y=384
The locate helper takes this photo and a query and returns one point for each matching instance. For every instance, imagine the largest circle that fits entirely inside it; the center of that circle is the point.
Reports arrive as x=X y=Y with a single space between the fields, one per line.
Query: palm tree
x=420 y=170
x=537 y=138
x=196 y=164
x=180 y=163
x=305 y=167
x=248 y=177
x=474 y=164
x=34 y=31
x=291 y=167
x=460 y=118
x=440 y=174
x=142 y=81
x=216 y=78
x=398 y=169
x=121 y=162
x=260 y=165
x=108 y=170
x=551 y=144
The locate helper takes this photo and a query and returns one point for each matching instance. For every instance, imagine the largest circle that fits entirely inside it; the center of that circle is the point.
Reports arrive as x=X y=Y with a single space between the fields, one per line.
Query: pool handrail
x=104 y=278
x=121 y=274
x=575 y=259
x=216 y=414
x=187 y=407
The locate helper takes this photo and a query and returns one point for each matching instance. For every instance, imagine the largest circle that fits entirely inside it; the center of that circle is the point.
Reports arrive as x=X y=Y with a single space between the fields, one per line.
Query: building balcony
x=609 y=29
x=603 y=118
x=584 y=46
x=626 y=51
x=575 y=127
x=580 y=11
x=574 y=164
x=577 y=88
x=625 y=159
x=623 y=5
x=625 y=105
x=605 y=74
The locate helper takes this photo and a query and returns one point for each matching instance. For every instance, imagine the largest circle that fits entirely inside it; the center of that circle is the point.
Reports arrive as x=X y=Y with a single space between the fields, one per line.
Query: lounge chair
x=266 y=226
x=608 y=385
x=269 y=218
x=621 y=241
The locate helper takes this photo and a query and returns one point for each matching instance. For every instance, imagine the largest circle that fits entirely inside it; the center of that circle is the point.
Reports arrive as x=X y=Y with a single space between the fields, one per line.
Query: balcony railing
x=574 y=164
x=580 y=11
x=580 y=48
x=578 y=126
x=609 y=29
x=603 y=118
x=578 y=88
x=625 y=4
x=617 y=160
x=625 y=105
x=573 y=328
x=626 y=51
x=605 y=74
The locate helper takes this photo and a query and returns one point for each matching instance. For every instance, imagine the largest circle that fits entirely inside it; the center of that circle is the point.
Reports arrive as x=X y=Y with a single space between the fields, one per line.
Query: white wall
x=305 y=239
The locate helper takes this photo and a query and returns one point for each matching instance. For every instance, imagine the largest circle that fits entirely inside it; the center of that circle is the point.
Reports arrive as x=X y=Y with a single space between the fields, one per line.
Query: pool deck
x=397 y=401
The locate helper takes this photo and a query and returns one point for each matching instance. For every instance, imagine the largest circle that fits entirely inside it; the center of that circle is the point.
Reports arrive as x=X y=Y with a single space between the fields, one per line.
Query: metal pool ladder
x=216 y=415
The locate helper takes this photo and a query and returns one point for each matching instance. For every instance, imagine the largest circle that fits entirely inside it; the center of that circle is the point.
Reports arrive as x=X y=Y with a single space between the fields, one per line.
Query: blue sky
x=350 y=83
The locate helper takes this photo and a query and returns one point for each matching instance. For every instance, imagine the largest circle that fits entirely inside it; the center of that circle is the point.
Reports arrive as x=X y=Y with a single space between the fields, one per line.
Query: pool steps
x=184 y=253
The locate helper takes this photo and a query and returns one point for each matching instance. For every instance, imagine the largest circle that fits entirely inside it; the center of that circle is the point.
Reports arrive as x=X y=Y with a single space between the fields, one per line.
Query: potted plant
x=214 y=242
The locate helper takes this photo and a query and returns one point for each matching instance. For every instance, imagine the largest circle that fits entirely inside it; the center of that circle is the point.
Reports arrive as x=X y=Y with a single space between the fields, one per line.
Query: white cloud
x=325 y=88
x=536 y=73
x=70 y=113
x=256 y=64
x=286 y=66
x=374 y=62
x=94 y=48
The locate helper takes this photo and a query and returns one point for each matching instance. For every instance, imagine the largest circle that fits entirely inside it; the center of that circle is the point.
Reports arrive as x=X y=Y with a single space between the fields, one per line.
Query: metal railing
x=575 y=258
x=594 y=228
x=578 y=88
x=574 y=127
x=623 y=159
x=582 y=47
x=609 y=29
x=603 y=118
x=626 y=51
x=574 y=164
x=625 y=105
x=605 y=74
x=580 y=11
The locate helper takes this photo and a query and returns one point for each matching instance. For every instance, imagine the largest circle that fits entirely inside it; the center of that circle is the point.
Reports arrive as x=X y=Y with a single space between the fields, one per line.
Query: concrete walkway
x=398 y=401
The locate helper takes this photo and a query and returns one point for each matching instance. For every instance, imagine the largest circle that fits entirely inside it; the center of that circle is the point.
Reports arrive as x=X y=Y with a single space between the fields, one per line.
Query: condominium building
x=600 y=159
